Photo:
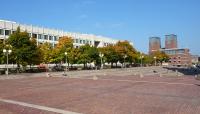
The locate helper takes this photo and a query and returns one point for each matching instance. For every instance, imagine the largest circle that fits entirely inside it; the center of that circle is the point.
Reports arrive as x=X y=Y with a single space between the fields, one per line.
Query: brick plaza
x=106 y=94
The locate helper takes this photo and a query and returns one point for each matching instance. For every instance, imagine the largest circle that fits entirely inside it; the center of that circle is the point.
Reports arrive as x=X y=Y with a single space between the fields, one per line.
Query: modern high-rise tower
x=171 y=41
x=154 y=44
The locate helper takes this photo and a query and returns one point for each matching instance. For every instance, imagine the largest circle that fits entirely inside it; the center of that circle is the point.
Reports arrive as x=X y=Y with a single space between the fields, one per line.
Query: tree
x=2 y=58
x=24 y=49
x=65 y=44
x=110 y=54
x=160 y=56
x=84 y=55
x=73 y=56
x=125 y=49
x=46 y=52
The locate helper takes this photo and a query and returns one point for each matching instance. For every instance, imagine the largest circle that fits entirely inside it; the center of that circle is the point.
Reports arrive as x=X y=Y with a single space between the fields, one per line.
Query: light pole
x=101 y=56
x=66 y=62
x=7 y=52
x=155 y=59
x=125 y=60
x=141 y=57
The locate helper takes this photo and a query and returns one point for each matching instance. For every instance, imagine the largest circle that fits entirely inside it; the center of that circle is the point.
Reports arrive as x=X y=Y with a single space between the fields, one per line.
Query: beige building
x=52 y=35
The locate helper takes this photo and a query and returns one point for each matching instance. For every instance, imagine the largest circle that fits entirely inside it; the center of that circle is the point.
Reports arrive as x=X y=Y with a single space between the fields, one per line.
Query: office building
x=171 y=41
x=154 y=44
x=52 y=36
x=178 y=56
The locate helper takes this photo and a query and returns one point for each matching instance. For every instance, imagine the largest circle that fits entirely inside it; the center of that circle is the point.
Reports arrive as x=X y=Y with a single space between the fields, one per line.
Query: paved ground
x=104 y=94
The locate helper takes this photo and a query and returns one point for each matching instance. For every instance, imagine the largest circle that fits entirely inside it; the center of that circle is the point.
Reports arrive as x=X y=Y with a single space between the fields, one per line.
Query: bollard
x=64 y=74
x=176 y=73
x=95 y=78
x=48 y=74
x=141 y=75
x=160 y=74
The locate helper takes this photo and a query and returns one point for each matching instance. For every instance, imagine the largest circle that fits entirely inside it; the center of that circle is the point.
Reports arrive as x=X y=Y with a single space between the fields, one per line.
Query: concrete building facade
x=52 y=35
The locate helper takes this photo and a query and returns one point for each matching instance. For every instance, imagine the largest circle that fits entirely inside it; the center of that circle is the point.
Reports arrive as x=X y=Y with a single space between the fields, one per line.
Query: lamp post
x=66 y=62
x=125 y=60
x=101 y=56
x=7 y=52
x=141 y=57
x=155 y=59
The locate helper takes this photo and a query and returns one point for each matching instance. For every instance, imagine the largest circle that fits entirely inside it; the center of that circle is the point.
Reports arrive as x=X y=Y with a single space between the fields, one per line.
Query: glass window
x=76 y=40
x=80 y=41
x=39 y=36
x=55 y=38
x=7 y=32
x=83 y=41
x=1 y=32
x=50 y=38
x=46 y=37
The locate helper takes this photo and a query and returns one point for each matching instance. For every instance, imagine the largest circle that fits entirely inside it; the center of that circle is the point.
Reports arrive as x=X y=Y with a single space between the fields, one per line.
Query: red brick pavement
x=107 y=95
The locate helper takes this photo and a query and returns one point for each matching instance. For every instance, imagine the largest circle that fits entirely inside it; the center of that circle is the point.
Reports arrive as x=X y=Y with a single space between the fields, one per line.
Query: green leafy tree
x=24 y=49
x=65 y=44
x=84 y=57
x=110 y=54
x=160 y=56
x=2 y=58
x=46 y=52
x=126 y=52
x=73 y=56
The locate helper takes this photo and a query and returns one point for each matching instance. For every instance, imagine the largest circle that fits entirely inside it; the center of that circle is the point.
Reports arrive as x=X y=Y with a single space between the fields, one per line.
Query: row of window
x=173 y=52
x=47 y=37
x=7 y=32
x=82 y=41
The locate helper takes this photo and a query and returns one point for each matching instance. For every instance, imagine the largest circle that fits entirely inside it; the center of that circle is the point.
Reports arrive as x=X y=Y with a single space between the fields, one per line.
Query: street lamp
x=66 y=61
x=141 y=57
x=101 y=56
x=124 y=60
x=155 y=59
x=7 y=52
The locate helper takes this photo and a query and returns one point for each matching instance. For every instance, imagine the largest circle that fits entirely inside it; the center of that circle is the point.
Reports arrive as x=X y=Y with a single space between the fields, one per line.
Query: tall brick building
x=154 y=44
x=178 y=56
x=171 y=41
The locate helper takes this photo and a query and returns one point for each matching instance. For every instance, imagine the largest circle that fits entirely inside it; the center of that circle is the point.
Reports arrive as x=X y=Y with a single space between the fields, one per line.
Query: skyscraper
x=171 y=41
x=154 y=44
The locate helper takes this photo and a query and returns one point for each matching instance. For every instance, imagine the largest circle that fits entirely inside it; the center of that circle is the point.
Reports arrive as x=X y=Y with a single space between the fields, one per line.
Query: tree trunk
x=111 y=64
x=18 y=67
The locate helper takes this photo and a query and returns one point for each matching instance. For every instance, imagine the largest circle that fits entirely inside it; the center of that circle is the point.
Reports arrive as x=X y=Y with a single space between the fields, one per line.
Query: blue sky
x=134 y=20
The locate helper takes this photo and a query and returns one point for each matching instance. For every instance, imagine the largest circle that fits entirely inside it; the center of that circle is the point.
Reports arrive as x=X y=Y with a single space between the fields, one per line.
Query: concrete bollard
x=160 y=75
x=141 y=75
x=95 y=78
x=48 y=74
x=64 y=74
